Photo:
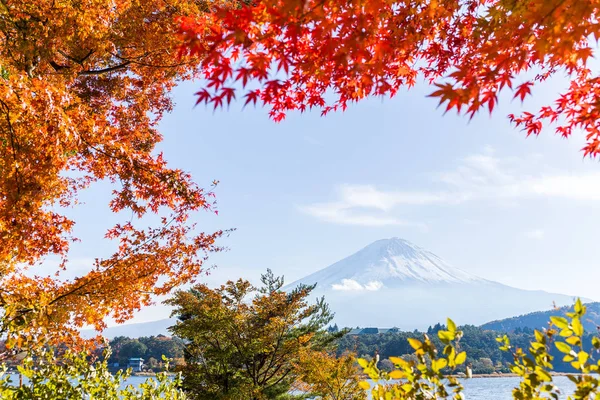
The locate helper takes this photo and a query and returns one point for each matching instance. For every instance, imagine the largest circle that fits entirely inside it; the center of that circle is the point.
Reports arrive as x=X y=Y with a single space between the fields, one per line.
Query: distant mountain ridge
x=392 y=260
x=152 y=328
x=539 y=319
x=392 y=282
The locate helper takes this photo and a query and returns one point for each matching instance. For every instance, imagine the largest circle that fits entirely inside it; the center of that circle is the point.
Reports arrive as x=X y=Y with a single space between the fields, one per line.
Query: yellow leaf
x=399 y=361
x=397 y=374
x=577 y=327
x=460 y=358
x=414 y=343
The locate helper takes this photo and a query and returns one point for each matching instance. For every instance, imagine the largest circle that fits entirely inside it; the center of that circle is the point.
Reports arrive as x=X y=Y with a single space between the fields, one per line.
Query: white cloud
x=582 y=187
x=373 y=286
x=342 y=213
x=478 y=177
x=349 y=285
x=536 y=234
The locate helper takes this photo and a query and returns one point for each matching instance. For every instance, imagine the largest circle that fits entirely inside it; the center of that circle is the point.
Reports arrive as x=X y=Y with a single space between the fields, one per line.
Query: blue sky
x=311 y=190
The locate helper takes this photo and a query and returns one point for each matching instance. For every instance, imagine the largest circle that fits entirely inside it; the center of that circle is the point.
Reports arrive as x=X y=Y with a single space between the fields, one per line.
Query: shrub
x=72 y=377
x=428 y=378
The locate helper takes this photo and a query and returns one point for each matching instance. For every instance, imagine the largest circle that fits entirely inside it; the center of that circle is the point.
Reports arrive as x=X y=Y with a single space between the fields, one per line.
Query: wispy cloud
x=349 y=285
x=478 y=177
x=349 y=214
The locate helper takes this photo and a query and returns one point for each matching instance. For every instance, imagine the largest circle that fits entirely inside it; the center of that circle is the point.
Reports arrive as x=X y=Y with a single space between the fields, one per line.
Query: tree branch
x=106 y=70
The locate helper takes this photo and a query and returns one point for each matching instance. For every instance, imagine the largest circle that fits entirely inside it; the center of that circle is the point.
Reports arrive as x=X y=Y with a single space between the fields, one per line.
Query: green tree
x=131 y=348
x=158 y=346
x=244 y=342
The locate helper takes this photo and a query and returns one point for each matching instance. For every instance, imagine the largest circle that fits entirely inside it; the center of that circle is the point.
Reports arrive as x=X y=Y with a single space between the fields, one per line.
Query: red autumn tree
x=327 y=53
x=83 y=85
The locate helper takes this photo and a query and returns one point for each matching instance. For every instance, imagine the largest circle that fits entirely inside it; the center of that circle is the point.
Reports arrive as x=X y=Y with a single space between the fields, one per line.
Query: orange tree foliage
x=328 y=53
x=323 y=376
x=83 y=84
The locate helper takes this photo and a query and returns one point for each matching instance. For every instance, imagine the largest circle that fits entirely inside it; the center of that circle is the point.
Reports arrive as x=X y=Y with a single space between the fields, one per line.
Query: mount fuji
x=394 y=283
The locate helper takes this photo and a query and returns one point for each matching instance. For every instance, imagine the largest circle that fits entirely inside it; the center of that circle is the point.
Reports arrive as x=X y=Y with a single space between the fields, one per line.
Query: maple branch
x=133 y=60
x=57 y=66
x=112 y=265
x=13 y=145
x=79 y=61
x=106 y=70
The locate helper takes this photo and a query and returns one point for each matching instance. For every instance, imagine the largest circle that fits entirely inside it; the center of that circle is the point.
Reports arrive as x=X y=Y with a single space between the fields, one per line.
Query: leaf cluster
x=71 y=376
x=421 y=378
x=295 y=55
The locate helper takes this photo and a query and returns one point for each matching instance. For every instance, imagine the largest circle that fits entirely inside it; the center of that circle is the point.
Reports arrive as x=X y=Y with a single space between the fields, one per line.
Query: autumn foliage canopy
x=83 y=85
x=325 y=54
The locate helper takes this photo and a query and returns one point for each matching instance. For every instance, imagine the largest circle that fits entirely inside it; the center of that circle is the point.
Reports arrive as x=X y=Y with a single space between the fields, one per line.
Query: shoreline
x=151 y=374
x=492 y=375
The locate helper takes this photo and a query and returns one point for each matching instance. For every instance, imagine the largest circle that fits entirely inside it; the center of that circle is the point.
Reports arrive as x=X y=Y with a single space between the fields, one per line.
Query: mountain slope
x=539 y=319
x=152 y=328
x=393 y=282
x=396 y=261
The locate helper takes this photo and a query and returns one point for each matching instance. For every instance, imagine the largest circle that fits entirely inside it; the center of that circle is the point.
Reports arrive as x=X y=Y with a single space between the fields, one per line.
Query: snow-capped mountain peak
x=387 y=263
x=393 y=282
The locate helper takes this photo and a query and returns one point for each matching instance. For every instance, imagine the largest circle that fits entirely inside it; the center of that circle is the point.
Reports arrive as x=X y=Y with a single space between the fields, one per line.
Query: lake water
x=474 y=389
x=501 y=388
x=133 y=380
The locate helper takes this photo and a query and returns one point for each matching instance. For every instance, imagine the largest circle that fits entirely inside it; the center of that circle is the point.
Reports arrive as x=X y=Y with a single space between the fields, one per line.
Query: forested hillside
x=538 y=320
x=150 y=348
x=479 y=343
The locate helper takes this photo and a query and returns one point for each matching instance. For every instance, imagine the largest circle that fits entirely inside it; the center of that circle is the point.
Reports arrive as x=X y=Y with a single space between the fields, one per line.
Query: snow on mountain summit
x=387 y=263
x=393 y=282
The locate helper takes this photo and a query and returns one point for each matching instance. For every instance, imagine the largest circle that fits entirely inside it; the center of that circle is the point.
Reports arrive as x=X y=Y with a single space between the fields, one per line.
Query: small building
x=136 y=364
